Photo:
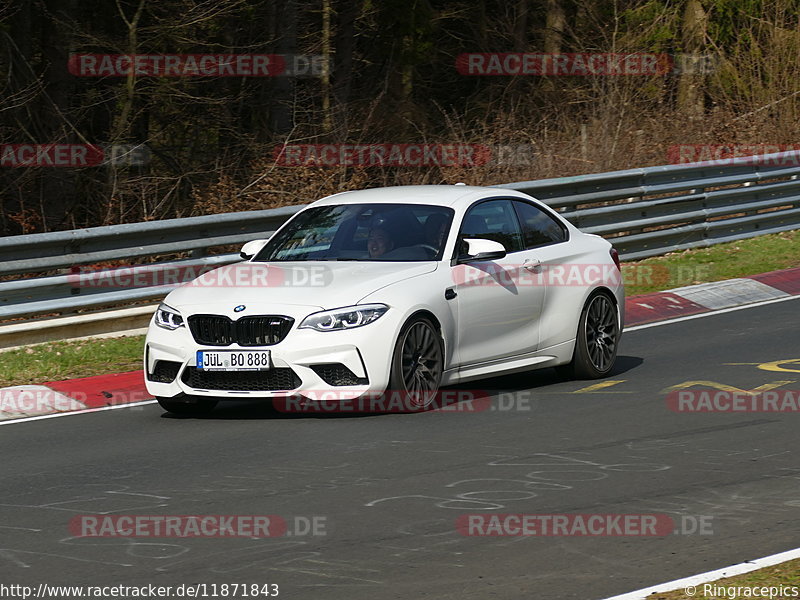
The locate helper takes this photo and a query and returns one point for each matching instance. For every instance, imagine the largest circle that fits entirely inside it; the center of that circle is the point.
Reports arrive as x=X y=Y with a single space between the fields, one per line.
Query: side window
x=493 y=220
x=538 y=227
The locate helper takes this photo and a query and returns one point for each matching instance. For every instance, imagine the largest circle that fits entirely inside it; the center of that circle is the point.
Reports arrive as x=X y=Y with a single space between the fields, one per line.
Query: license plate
x=233 y=360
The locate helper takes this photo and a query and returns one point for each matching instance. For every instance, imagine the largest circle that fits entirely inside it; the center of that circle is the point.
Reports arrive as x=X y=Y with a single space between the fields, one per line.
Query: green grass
x=723 y=261
x=67 y=360
x=785 y=574
x=55 y=361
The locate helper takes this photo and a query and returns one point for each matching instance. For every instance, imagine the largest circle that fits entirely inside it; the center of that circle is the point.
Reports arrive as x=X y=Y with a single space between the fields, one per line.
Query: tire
x=417 y=364
x=187 y=405
x=596 y=341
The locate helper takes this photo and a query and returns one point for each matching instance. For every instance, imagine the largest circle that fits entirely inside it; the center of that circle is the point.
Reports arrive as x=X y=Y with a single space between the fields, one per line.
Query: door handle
x=532 y=264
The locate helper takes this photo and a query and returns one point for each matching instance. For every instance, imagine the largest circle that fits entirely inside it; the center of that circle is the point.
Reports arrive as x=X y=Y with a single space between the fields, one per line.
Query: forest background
x=392 y=78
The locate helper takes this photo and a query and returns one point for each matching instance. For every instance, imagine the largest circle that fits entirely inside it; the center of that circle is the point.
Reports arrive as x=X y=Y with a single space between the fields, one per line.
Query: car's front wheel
x=417 y=364
x=187 y=406
x=596 y=341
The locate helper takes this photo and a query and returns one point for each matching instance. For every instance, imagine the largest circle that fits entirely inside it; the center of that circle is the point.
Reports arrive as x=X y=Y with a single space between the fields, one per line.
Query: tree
x=691 y=97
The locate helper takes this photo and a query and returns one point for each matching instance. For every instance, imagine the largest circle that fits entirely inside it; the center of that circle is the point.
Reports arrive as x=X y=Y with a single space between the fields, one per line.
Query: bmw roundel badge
x=239 y=308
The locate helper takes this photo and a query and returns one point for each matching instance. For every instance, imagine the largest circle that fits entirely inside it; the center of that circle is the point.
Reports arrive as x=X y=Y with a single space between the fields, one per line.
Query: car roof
x=439 y=195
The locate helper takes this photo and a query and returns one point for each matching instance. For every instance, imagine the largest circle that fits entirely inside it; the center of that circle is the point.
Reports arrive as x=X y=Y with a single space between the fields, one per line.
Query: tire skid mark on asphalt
x=568 y=470
x=11 y=555
x=131 y=546
x=282 y=556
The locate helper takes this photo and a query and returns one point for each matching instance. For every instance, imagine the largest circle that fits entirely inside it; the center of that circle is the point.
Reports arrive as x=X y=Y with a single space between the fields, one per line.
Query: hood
x=320 y=285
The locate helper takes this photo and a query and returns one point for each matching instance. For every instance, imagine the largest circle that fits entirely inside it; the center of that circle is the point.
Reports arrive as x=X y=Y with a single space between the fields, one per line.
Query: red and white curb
x=710 y=297
x=107 y=391
x=72 y=395
x=21 y=401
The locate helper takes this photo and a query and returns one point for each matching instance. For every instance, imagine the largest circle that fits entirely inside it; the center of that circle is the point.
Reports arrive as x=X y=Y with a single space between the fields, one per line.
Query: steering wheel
x=434 y=251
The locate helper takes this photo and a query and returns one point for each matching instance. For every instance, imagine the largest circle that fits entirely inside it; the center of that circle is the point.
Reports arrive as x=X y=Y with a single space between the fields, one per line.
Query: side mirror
x=251 y=248
x=482 y=249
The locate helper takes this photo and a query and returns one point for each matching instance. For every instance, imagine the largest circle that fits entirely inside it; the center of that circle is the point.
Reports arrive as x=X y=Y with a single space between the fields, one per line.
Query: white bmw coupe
x=401 y=289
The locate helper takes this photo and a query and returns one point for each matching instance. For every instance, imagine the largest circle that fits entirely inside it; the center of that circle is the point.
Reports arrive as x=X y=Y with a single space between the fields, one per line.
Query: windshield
x=386 y=232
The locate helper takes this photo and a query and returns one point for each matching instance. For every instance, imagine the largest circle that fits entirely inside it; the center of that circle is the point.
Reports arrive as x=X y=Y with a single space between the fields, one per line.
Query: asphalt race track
x=388 y=488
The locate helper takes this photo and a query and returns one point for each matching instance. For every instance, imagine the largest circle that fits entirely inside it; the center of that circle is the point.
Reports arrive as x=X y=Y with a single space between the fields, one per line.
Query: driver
x=379 y=242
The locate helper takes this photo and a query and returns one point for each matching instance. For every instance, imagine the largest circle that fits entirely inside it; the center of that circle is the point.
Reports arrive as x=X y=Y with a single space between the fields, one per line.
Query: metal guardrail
x=645 y=212
x=68 y=249
x=650 y=211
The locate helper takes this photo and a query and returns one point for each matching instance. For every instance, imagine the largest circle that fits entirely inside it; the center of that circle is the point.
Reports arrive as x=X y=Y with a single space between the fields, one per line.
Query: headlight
x=167 y=317
x=349 y=317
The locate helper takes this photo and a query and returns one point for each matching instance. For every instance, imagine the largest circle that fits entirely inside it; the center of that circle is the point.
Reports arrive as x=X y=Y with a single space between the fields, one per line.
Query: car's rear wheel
x=597 y=340
x=187 y=405
x=417 y=364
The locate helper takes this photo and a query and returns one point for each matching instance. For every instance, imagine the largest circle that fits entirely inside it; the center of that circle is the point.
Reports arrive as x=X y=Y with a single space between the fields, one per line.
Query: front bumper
x=310 y=364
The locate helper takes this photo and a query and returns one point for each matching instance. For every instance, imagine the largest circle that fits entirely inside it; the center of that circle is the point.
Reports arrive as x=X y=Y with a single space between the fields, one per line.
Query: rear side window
x=538 y=227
